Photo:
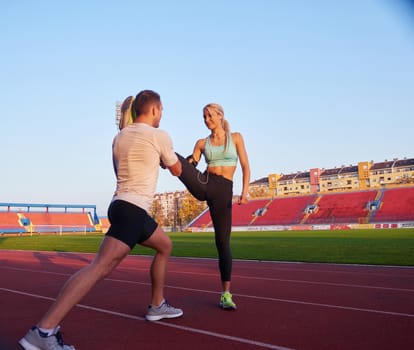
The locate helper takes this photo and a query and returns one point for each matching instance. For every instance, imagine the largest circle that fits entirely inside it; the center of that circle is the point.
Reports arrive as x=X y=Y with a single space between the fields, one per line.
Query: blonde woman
x=222 y=150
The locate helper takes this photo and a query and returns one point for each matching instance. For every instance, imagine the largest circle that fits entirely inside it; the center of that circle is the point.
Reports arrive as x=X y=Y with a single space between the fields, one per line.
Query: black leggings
x=218 y=192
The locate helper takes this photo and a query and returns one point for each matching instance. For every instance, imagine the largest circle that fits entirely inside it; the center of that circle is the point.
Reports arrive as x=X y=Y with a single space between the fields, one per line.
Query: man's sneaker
x=165 y=310
x=35 y=339
x=226 y=302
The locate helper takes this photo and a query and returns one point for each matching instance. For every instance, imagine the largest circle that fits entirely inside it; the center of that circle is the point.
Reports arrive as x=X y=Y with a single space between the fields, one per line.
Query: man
x=137 y=151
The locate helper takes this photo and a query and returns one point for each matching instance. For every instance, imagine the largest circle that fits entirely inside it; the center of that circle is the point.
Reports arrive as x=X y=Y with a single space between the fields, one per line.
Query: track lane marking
x=243 y=277
x=161 y=323
x=290 y=301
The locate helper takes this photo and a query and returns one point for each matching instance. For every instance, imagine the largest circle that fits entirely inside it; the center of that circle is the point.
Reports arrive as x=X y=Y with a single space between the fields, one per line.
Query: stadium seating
x=67 y=221
x=105 y=224
x=9 y=222
x=396 y=205
x=329 y=208
x=243 y=215
x=346 y=207
x=380 y=207
x=204 y=220
x=285 y=211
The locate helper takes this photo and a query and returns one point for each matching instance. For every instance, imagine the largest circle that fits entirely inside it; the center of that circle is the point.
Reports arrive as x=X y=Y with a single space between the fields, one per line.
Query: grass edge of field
x=390 y=247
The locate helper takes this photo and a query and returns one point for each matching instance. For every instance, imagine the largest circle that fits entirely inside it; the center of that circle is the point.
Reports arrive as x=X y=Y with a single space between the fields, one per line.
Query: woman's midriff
x=225 y=171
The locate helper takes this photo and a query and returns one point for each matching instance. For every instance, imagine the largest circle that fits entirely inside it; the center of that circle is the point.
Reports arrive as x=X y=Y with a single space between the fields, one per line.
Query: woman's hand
x=243 y=200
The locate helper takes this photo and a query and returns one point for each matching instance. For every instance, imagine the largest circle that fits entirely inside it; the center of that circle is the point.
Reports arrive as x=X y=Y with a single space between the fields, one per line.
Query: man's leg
x=159 y=307
x=110 y=254
x=163 y=246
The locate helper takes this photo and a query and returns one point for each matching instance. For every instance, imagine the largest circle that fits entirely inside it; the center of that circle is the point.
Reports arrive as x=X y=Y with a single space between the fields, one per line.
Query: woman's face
x=211 y=119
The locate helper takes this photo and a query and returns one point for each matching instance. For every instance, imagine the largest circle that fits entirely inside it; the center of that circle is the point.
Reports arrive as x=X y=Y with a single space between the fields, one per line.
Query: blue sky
x=307 y=83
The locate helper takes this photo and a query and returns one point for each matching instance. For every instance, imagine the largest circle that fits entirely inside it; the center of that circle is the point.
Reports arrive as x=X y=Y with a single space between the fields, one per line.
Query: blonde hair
x=217 y=109
x=126 y=113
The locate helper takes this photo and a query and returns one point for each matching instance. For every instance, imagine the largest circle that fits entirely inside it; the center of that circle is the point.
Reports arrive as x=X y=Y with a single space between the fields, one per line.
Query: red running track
x=280 y=305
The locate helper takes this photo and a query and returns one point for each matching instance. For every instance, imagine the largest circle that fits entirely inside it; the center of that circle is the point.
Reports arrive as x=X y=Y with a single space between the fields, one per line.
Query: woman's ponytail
x=127 y=113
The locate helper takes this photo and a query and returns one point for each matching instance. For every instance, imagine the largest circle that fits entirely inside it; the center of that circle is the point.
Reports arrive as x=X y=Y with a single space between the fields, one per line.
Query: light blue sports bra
x=218 y=155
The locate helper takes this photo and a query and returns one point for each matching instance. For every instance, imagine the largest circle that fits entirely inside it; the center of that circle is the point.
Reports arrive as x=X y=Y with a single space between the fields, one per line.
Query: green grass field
x=377 y=247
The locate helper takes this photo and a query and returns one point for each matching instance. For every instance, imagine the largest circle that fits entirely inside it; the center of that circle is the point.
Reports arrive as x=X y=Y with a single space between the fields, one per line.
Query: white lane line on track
x=161 y=323
x=251 y=278
x=330 y=284
x=290 y=301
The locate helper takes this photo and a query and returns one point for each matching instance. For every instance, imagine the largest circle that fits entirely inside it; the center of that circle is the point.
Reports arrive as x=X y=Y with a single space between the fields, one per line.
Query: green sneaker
x=226 y=302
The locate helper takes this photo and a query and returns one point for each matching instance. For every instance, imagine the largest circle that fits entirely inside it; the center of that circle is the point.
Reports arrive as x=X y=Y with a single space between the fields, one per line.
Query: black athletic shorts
x=129 y=223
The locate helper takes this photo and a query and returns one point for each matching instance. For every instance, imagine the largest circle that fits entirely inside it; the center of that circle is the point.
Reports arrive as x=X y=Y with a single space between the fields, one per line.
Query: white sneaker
x=165 y=310
x=35 y=339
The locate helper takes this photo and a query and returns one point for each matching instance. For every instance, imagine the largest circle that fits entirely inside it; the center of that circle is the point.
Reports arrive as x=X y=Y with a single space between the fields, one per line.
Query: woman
x=221 y=149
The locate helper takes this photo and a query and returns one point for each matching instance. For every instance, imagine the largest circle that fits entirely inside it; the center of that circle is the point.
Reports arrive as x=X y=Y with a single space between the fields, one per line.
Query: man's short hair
x=144 y=100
